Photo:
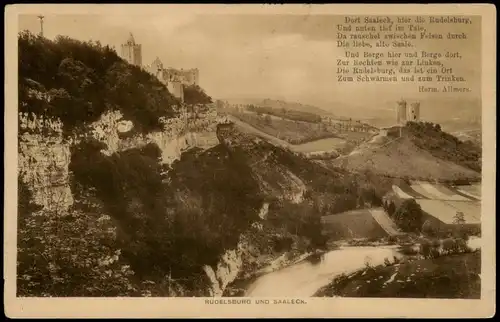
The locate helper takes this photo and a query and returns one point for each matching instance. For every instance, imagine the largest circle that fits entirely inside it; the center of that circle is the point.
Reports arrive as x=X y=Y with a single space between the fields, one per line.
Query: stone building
x=414 y=112
x=401 y=112
x=174 y=79
x=131 y=51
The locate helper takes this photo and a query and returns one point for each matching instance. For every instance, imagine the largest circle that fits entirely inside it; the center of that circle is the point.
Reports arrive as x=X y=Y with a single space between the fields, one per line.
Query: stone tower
x=401 y=112
x=414 y=112
x=132 y=52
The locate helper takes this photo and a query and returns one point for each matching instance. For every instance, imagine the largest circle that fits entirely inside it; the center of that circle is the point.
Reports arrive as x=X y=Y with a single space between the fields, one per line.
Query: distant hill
x=452 y=113
x=420 y=153
x=280 y=104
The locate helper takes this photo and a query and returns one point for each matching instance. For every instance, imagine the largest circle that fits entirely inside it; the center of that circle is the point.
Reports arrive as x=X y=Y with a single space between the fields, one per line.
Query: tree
x=409 y=216
x=391 y=209
x=428 y=229
x=459 y=218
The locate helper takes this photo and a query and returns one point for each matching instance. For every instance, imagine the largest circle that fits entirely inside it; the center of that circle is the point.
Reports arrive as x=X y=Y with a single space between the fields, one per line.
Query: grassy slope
x=454 y=276
x=401 y=158
x=352 y=224
x=443 y=145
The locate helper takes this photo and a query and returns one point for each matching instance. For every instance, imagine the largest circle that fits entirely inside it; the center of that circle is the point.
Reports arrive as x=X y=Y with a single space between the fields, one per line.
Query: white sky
x=261 y=56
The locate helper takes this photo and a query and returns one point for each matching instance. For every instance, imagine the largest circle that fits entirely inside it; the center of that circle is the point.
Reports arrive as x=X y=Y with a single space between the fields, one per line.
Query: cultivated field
x=383 y=219
x=352 y=224
x=437 y=191
x=446 y=210
x=473 y=190
x=293 y=132
x=322 y=145
x=442 y=201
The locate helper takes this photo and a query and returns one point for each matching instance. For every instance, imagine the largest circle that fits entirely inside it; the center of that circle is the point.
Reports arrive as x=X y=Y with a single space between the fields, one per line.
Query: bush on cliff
x=78 y=81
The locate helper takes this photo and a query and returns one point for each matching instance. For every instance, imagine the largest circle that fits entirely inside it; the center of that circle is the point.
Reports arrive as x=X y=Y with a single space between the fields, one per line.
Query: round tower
x=414 y=112
x=401 y=112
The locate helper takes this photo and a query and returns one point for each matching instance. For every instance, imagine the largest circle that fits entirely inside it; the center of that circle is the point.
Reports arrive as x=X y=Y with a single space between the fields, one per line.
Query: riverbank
x=239 y=286
x=452 y=276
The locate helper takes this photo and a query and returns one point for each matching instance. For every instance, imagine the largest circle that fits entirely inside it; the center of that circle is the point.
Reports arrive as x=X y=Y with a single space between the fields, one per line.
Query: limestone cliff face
x=44 y=154
x=179 y=134
x=43 y=160
x=235 y=263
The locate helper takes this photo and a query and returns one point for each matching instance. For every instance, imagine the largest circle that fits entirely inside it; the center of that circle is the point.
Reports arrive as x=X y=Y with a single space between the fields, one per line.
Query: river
x=306 y=277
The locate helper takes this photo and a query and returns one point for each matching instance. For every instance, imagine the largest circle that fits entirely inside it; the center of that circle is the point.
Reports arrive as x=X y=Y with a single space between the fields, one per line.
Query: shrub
x=425 y=248
x=409 y=216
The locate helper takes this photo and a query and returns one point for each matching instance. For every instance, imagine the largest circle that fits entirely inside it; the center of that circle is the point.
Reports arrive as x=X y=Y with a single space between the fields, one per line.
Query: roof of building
x=131 y=39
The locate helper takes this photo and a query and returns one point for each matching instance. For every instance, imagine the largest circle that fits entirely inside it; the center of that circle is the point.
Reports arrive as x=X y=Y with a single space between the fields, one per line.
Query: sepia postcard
x=257 y=160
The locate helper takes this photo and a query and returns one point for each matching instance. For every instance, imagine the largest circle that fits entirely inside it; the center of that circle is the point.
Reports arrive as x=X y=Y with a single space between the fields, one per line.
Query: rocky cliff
x=44 y=153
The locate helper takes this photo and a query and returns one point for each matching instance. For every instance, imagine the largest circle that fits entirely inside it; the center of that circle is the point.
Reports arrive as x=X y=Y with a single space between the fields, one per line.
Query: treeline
x=78 y=81
x=430 y=137
x=284 y=113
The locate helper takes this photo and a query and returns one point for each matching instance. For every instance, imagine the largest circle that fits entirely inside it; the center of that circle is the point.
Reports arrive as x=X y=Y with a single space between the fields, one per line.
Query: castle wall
x=401 y=113
x=414 y=112
x=137 y=59
x=177 y=89
x=132 y=54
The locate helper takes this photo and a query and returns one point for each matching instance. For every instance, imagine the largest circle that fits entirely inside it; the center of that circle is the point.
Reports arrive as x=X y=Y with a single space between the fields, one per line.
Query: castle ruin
x=132 y=52
x=401 y=112
x=174 y=79
x=414 y=112
x=405 y=113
